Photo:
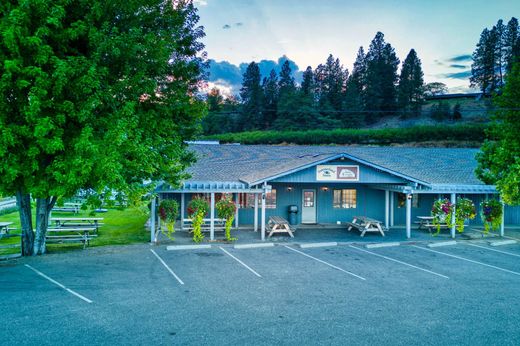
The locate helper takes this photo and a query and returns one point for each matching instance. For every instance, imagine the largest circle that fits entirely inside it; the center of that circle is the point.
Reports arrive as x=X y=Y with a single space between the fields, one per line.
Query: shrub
x=491 y=214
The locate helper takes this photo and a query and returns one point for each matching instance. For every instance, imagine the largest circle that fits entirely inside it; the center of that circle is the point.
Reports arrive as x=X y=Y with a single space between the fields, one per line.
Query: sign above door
x=337 y=173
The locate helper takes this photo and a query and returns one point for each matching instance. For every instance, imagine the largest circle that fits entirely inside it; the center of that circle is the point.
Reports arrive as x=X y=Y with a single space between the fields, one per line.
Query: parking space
x=337 y=294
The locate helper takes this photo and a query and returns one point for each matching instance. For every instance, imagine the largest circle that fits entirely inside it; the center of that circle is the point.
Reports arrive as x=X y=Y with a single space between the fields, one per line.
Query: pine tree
x=271 y=95
x=251 y=94
x=483 y=67
x=381 y=78
x=411 y=83
x=286 y=83
x=354 y=107
x=330 y=81
x=511 y=43
x=500 y=63
x=307 y=86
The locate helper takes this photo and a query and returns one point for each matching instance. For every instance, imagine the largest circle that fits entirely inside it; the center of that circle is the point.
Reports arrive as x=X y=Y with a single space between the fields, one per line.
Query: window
x=345 y=199
x=270 y=199
x=246 y=200
x=401 y=200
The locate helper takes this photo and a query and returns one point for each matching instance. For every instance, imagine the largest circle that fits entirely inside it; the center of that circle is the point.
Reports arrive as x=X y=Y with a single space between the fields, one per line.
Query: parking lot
x=466 y=293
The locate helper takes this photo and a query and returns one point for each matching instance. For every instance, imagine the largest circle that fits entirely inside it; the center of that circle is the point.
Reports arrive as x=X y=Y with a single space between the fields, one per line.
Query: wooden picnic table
x=70 y=234
x=365 y=224
x=278 y=224
x=4 y=227
x=426 y=222
x=77 y=221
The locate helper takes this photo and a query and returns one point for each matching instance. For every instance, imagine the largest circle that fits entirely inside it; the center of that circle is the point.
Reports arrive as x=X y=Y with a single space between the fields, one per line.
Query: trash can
x=293 y=210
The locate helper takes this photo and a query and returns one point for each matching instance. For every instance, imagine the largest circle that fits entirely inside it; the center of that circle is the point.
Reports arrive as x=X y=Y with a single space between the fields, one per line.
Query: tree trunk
x=43 y=209
x=23 y=202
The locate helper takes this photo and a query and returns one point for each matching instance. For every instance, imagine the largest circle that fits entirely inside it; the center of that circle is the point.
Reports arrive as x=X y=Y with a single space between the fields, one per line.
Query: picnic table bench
x=365 y=224
x=92 y=222
x=426 y=222
x=219 y=225
x=71 y=235
x=4 y=227
x=278 y=224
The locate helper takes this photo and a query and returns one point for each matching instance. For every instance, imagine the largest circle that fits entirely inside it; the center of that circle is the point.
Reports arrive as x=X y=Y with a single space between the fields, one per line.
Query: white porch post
x=256 y=213
x=392 y=197
x=237 y=205
x=453 y=201
x=262 y=220
x=152 y=221
x=182 y=211
x=387 y=212
x=503 y=218
x=212 y=217
x=408 y=215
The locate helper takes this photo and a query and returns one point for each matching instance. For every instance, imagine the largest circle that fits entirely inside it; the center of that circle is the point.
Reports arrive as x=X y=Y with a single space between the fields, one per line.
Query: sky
x=443 y=32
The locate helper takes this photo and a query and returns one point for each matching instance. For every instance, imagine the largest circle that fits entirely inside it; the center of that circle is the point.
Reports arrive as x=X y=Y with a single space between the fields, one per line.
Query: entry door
x=309 y=206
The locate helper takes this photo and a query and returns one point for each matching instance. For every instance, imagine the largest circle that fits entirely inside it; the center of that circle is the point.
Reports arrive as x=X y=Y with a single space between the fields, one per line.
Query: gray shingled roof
x=253 y=163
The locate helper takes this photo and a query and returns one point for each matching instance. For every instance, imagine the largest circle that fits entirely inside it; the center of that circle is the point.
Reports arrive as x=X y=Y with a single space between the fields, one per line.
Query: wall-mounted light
x=409 y=196
x=324 y=189
x=289 y=188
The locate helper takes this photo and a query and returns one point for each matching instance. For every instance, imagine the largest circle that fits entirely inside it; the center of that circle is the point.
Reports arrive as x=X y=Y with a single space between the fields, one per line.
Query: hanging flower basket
x=197 y=209
x=442 y=212
x=226 y=209
x=491 y=214
x=168 y=212
x=464 y=210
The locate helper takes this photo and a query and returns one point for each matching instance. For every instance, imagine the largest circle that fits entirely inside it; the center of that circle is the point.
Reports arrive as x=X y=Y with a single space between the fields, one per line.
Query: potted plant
x=464 y=210
x=168 y=212
x=442 y=212
x=197 y=209
x=491 y=214
x=226 y=209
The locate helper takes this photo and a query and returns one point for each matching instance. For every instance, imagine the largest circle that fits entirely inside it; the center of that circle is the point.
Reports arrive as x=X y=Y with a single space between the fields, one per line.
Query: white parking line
x=401 y=262
x=469 y=260
x=242 y=263
x=59 y=285
x=326 y=263
x=487 y=248
x=166 y=266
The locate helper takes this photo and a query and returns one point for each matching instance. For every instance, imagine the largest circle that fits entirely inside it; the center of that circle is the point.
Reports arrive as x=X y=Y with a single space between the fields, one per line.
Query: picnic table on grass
x=70 y=234
x=93 y=222
x=4 y=227
x=426 y=222
x=278 y=224
x=365 y=224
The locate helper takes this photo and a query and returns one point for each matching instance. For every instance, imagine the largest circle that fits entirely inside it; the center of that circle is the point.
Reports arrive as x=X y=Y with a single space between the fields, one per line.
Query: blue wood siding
x=366 y=175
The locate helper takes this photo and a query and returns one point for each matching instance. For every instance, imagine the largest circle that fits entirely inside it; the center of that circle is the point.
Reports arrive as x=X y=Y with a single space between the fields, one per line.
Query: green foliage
x=464 y=210
x=96 y=94
x=491 y=214
x=410 y=89
x=358 y=136
x=251 y=94
x=435 y=88
x=457 y=112
x=197 y=209
x=440 y=111
x=442 y=212
x=499 y=162
x=226 y=209
x=168 y=212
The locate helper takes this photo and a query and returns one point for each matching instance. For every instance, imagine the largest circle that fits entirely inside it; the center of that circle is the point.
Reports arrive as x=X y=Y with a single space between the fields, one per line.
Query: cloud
x=226 y=26
x=230 y=75
x=463 y=67
x=239 y=24
x=457 y=75
x=460 y=58
x=200 y=2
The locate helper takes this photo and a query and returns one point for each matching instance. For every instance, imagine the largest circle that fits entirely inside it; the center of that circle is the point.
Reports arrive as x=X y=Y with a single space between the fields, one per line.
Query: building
x=331 y=184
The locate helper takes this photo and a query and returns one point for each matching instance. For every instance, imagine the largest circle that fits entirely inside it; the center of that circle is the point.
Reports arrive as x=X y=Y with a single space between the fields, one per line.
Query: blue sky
x=442 y=32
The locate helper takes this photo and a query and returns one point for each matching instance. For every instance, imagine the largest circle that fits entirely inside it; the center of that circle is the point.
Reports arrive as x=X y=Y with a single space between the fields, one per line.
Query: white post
x=262 y=226
x=212 y=217
x=408 y=216
x=237 y=205
x=152 y=221
x=387 y=213
x=503 y=218
x=392 y=197
x=182 y=211
x=453 y=201
x=256 y=213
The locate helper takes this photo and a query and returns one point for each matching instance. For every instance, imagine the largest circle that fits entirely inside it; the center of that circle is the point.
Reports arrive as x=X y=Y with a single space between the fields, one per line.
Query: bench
x=70 y=235
x=365 y=224
x=219 y=225
x=73 y=210
x=278 y=224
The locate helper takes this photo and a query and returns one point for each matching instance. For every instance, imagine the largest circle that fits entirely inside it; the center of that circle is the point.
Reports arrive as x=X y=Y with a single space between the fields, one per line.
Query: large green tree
x=499 y=159
x=271 y=96
x=94 y=95
x=411 y=83
x=252 y=95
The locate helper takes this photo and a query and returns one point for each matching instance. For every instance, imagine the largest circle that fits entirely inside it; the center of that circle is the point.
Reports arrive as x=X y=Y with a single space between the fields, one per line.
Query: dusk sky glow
x=241 y=31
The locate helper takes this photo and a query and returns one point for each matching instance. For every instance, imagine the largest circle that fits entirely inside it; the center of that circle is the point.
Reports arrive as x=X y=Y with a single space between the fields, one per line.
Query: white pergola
x=213 y=188
x=438 y=189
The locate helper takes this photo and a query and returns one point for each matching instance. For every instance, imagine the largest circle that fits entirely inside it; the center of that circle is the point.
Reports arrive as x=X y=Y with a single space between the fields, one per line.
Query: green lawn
x=120 y=227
